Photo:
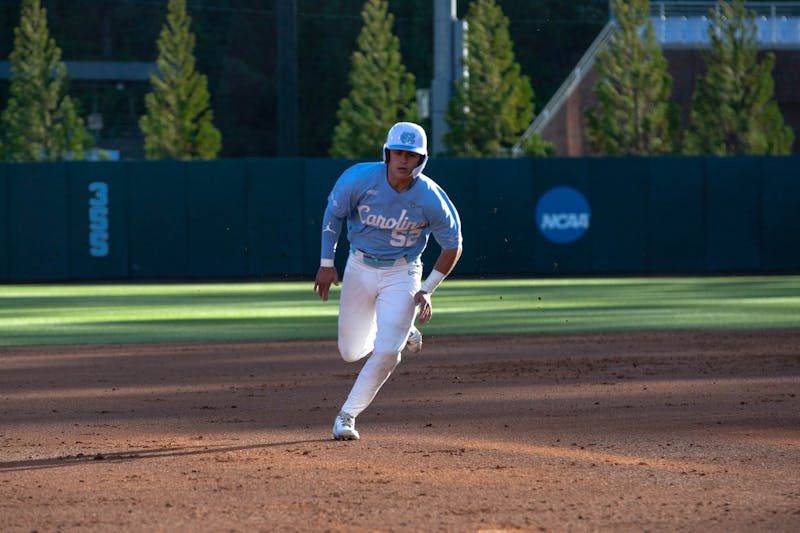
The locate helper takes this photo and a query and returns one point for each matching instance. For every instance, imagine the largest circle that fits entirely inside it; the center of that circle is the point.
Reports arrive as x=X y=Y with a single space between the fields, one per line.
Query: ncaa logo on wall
x=562 y=215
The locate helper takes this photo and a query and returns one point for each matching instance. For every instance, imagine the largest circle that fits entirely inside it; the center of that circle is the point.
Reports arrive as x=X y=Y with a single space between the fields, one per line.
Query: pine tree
x=536 y=146
x=493 y=103
x=382 y=91
x=733 y=107
x=634 y=114
x=40 y=121
x=178 y=123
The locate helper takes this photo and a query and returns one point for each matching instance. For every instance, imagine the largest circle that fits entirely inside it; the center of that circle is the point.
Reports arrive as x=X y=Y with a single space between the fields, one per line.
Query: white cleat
x=344 y=427
x=414 y=342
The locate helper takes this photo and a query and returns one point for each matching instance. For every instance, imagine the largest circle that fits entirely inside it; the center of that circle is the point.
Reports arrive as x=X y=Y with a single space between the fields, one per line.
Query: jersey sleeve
x=445 y=222
x=331 y=229
x=336 y=212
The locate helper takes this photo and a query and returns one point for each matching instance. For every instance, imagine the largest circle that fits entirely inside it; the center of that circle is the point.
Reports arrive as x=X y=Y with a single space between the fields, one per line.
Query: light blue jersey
x=383 y=222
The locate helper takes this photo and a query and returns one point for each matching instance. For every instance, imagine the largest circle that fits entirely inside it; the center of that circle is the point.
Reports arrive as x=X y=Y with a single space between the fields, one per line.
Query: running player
x=391 y=209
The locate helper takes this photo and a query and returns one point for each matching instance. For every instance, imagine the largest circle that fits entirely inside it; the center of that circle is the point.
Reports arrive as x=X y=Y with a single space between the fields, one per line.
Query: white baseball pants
x=376 y=312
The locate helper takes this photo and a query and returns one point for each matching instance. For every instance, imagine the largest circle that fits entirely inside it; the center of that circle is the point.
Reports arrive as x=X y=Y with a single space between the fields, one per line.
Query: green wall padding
x=157 y=246
x=37 y=222
x=261 y=218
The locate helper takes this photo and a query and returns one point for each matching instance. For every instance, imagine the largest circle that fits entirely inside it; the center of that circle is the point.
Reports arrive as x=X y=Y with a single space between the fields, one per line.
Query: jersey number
x=402 y=239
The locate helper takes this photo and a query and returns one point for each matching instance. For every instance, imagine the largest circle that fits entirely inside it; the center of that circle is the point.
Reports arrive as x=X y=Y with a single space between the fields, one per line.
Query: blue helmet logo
x=563 y=215
x=408 y=137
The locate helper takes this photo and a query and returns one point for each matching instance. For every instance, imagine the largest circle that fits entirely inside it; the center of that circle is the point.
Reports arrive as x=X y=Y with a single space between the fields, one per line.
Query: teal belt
x=377 y=262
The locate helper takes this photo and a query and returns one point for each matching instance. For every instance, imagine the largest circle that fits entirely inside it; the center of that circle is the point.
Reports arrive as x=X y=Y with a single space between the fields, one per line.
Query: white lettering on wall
x=565 y=221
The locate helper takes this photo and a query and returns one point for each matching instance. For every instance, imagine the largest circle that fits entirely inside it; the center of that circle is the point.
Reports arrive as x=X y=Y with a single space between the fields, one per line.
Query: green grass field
x=144 y=313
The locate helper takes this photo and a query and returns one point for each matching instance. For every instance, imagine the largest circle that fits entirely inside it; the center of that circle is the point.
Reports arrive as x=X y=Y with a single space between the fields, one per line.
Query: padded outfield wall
x=251 y=218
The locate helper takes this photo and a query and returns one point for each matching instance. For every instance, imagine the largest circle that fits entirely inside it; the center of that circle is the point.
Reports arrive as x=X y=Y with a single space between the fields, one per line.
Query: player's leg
x=357 y=330
x=395 y=309
x=394 y=315
x=357 y=325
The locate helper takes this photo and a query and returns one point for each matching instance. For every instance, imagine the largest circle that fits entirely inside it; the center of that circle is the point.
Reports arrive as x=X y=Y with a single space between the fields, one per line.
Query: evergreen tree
x=382 y=91
x=536 y=146
x=733 y=107
x=493 y=103
x=178 y=122
x=40 y=121
x=634 y=115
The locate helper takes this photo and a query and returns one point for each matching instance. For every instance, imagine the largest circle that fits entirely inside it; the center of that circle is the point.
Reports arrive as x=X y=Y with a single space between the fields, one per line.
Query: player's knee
x=350 y=357
x=351 y=354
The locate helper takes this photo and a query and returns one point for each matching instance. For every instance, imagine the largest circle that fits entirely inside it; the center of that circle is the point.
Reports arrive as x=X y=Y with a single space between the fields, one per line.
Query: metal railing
x=688 y=9
x=557 y=100
x=685 y=24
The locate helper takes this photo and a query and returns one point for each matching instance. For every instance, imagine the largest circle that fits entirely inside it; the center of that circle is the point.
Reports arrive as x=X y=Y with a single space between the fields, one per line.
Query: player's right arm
x=332 y=222
x=325 y=277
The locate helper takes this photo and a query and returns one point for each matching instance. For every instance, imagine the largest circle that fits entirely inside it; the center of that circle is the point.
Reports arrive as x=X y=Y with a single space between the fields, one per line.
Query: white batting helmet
x=410 y=137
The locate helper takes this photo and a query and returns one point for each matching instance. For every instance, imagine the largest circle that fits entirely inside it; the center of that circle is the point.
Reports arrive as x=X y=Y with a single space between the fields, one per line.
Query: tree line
x=733 y=110
x=40 y=121
x=236 y=50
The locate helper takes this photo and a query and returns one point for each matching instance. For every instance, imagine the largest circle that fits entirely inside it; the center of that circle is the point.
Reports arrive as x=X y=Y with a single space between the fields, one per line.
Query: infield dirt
x=667 y=431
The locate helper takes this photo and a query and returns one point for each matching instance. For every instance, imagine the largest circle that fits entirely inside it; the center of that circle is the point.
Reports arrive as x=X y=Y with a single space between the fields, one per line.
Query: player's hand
x=423 y=300
x=322 y=285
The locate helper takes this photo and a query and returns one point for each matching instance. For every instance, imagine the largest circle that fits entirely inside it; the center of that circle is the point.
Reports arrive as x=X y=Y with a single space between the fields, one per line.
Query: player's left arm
x=447 y=231
x=447 y=260
x=444 y=265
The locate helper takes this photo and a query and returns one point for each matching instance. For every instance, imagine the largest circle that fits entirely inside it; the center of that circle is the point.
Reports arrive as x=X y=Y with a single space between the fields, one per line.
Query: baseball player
x=391 y=209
